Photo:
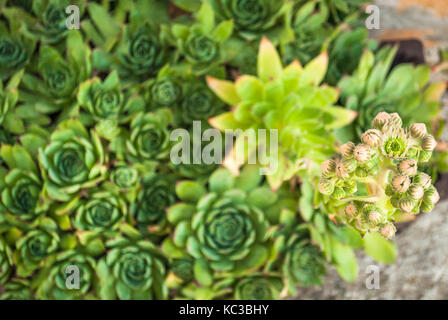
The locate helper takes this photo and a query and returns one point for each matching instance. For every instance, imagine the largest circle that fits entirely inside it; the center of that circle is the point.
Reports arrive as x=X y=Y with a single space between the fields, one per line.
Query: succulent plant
x=17 y=289
x=405 y=90
x=5 y=261
x=258 y=287
x=200 y=44
x=73 y=160
x=132 y=270
x=376 y=181
x=289 y=100
x=15 y=50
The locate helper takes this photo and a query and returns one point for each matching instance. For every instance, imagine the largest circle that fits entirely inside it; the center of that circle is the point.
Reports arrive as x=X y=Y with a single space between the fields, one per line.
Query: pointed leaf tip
x=224 y=89
x=269 y=63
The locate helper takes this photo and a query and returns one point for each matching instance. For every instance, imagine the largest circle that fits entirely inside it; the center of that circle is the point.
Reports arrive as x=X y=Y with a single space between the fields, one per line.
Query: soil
x=440 y=7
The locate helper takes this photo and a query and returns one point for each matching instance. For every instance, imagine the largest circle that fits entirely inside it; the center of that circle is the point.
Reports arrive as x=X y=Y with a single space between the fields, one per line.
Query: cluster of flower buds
x=386 y=162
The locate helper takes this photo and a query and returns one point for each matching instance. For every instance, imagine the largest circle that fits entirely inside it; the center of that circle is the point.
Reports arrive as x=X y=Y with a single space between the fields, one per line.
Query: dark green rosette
x=125 y=179
x=132 y=270
x=304 y=263
x=258 y=287
x=101 y=211
x=5 y=261
x=35 y=246
x=255 y=18
x=224 y=230
x=17 y=289
x=200 y=44
x=149 y=138
x=54 y=282
x=21 y=186
x=15 y=50
x=140 y=53
x=199 y=103
x=156 y=193
x=51 y=84
x=45 y=20
x=163 y=91
x=73 y=160
x=180 y=272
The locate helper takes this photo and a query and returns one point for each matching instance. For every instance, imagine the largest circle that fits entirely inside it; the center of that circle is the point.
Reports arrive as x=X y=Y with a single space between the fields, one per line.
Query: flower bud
x=422 y=179
x=341 y=171
x=406 y=204
x=395 y=120
x=351 y=211
x=349 y=165
x=432 y=195
x=326 y=186
x=426 y=206
x=375 y=217
x=338 y=193
x=429 y=143
x=424 y=156
x=350 y=187
x=347 y=150
x=380 y=119
x=416 y=191
x=362 y=152
x=401 y=183
x=418 y=130
x=408 y=167
x=328 y=168
x=372 y=137
x=388 y=230
x=394 y=201
x=389 y=190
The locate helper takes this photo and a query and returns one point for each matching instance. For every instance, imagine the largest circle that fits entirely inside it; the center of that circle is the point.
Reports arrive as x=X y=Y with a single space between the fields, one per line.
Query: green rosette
x=35 y=246
x=17 y=289
x=255 y=18
x=132 y=271
x=156 y=193
x=21 y=186
x=73 y=160
x=15 y=50
x=55 y=284
x=149 y=139
x=258 y=287
x=223 y=230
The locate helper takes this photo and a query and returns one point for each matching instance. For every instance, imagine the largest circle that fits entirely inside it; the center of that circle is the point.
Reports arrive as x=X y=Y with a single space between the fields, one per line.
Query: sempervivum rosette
x=149 y=138
x=73 y=160
x=101 y=211
x=253 y=18
x=54 y=279
x=155 y=194
x=17 y=289
x=35 y=247
x=8 y=99
x=52 y=82
x=201 y=43
x=132 y=270
x=224 y=230
x=15 y=51
x=199 y=103
x=21 y=185
x=125 y=179
x=258 y=287
x=105 y=100
x=304 y=263
x=45 y=20
x=5 y=261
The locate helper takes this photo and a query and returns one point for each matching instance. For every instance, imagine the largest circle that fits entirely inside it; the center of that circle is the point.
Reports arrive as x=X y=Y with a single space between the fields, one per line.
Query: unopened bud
x=408 y=167
x=361 y=173
x=426 y=206
x=326 y=186
x=418 y=130
x=372 y=137
x=388 y=230
x=416 y=192
x=338 y=193
x=401 y=183
x=351 y=211
x=362 y=152
x=328 y=168
x=424 y=156
x=375 y=217
x=406 y=204
x=349 y=165
x=380 y=119
x=432 y=195
x=422 y=179
x=347 y=150
x=429 y=143
x=341 y=171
